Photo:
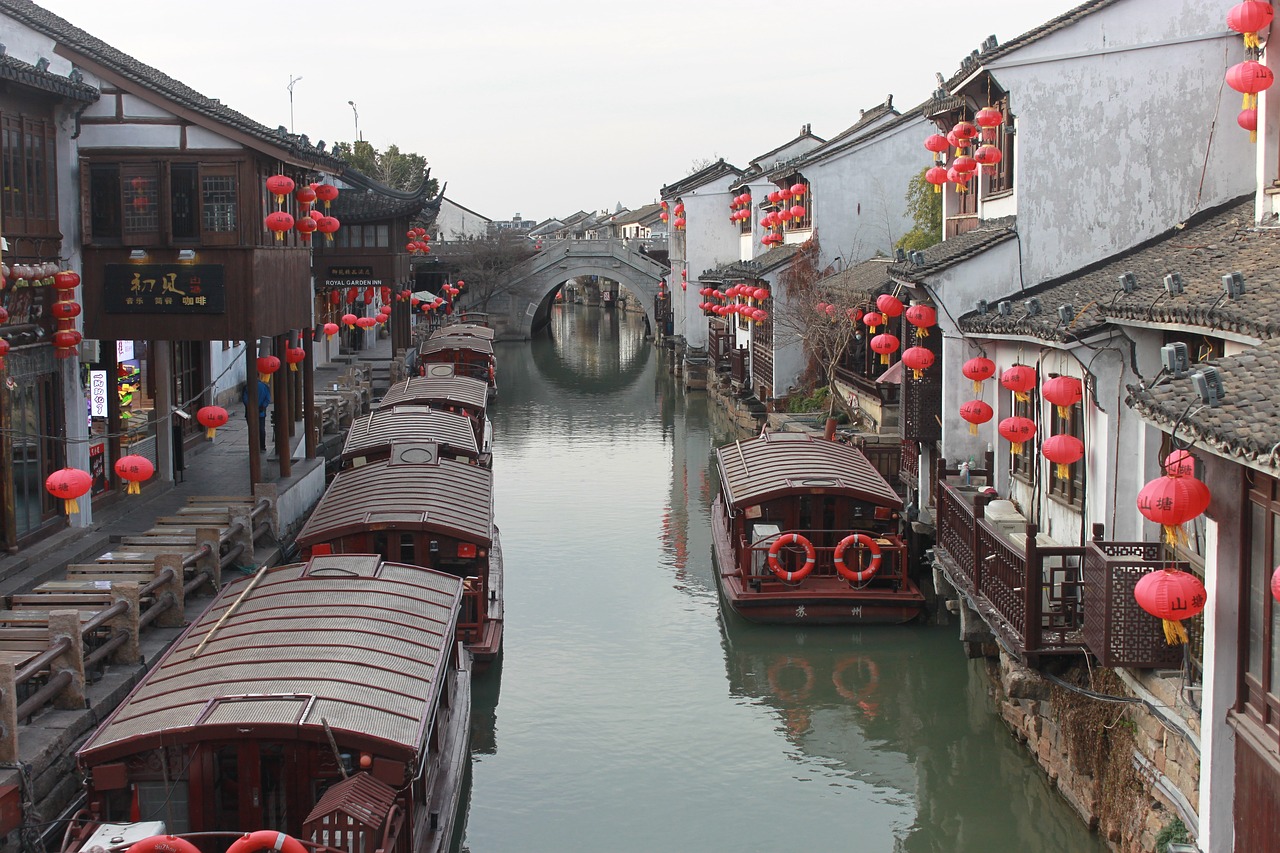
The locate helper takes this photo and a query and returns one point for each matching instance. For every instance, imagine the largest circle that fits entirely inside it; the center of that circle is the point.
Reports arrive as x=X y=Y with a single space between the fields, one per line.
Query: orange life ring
x=810 y=557
x=857 y=575
x=266 y=839
x=163 y=844
x=865 y=665
x=776 y=668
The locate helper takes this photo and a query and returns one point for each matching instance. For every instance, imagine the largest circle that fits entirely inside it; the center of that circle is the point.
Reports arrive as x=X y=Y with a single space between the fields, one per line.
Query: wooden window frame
x=1258 y=697
x=107 y=219
x=1069 y=489
x=29 y=171
x=1000 y=180
x=805 y=222
x=1023 y=465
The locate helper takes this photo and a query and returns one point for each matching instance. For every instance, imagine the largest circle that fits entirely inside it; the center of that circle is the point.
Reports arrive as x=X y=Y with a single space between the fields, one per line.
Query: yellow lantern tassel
x=973 y=429
x=1064 y=471
x=1022 y=396
x=210 y=432
x=1253 y=136
x=134 y=488
x=1016 y=447
x=1174 y=633
x=71 y=506
x=1251 y=41
x=264 y=377
x=916 y=374
x=977 y=386
x=1064 y=411
x=293 y=366
x=937 y=188
x=922 y=332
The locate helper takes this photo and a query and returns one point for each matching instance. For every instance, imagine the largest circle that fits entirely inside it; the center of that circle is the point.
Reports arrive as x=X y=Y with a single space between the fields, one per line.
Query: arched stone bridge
x=526 y=295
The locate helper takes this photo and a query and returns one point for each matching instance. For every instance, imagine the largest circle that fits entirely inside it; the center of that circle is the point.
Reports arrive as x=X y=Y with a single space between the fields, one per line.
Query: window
x=1071 y=487
x=29 y=172
x=1000 y=179
x=802 y=201
x=147 y=203
x=1259 y=690
x=1024 y=463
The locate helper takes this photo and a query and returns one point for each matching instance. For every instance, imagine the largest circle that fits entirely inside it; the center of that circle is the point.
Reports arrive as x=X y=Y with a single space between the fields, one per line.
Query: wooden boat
x=449 y=393
x=466 y=328
x=421 y=508
x=372 y=436
x=325 y=700
x=805 y=532
x=470 y=355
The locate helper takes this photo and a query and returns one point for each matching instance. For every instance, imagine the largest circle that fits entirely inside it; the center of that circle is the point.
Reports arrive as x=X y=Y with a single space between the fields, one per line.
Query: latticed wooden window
x=1000 y=179
x=29 y=175
x=1024 y=464
x=1071 y=487
x=1259 y=696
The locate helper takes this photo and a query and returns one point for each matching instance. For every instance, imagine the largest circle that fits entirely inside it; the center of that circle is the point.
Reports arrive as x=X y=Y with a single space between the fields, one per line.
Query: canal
x=630 y=714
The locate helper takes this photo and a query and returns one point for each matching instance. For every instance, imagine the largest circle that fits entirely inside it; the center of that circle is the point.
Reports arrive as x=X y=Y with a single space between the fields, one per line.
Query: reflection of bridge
x=524 y=299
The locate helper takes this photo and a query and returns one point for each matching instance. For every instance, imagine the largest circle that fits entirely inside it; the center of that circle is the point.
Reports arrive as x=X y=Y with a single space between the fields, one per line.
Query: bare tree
x=483 y=264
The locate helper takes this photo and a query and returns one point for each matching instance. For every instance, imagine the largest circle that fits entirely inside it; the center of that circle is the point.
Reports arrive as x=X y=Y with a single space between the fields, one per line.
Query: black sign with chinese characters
x=349 y=276
x=164 y=289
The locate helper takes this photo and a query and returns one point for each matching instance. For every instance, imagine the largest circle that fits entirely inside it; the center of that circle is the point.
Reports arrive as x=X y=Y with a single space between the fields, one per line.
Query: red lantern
x=65 y=310
x=1017 y=431
x=885 y=344
x=1019 y=379
x=1063 y=450
x=4 y=350
x=1171 y=596
x=267 y=365
x=1063 y=392
x=305 y=225
x=938 y=144
x=366 y=322
x=327 y=225
x=294 y=356
x=873 y=319
x=923 y=317
x=798 y=190
x=1248 y=120
x=349 y=319
x=988 y=117
x=964 y=130
x=979 y=370
x=134 y=469
x=679 y=223
x=936 y=175
x=964 y=163
x=1180 y=463
x=679 y=208
x=1171 y=502
x=1275 y=584
x=65 y=280
x=797 y=212
x=66 y=341
x=279 y=222
x=305 y=197
x=987 y=155
x=918 y=360
x=326 y=193
x=761 y=294
x=663 y=216
x=211 y=417
x=280 y=186
x=1250 y=77
x=976 y=412
x=69 y=484
x=889 y=305
x=1249 y=17
x=960 y=179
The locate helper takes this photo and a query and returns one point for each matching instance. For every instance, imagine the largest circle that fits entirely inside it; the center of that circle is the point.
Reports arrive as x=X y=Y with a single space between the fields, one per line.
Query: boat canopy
x=445 y=343
x=781 y=463
x=438 y=391
x=374 y=433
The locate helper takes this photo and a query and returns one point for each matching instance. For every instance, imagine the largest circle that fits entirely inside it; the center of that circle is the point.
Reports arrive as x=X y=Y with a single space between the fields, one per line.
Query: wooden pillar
x=281 y=403
x=161 y=361
x=251 y=410
x=9 y=515
x=311 y=443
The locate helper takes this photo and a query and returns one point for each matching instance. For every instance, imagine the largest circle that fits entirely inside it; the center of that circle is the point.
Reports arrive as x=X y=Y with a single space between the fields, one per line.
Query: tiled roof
x=862 y=131
x=17 y=71
x=1246 y=425
x=859 y=282
x=775 y=257
x=700 y=178
x=639 y=215
x=367 y=200
x=805 y=133
x=1202 y=250
x=948 y=253
x=97 y=51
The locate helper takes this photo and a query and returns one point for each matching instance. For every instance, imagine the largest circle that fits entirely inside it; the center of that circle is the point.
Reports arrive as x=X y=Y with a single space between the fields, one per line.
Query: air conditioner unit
x=1066 y=313
x=1175 y=359
x=1032 y=305
x=1233 y=285
x=900 y=255
x=1208 y=382
x=1173 y=284
x=982 y=306
x=1005 y=307
x=1128 y=282
x=917 y=257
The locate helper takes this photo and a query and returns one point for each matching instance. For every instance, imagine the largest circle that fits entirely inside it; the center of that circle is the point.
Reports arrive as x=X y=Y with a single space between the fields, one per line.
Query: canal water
x=630 y=714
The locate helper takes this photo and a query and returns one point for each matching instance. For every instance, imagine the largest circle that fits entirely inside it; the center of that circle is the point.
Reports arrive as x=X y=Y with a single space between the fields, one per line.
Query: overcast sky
x=543 y=108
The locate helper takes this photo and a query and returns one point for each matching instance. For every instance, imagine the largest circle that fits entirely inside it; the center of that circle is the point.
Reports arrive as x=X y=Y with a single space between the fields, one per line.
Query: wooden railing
x=1116 y=630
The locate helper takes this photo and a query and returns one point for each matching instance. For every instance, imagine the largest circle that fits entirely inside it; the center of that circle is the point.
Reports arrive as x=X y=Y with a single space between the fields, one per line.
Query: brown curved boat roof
x=345 y=639
x=413 y=490
x=438 y=391
x=781 y=463
x=446 y=343
x=376 y=432
x=472 y=329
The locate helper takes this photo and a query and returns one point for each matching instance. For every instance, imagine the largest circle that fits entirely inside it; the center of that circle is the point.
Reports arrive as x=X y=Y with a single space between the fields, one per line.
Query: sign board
x=124 y=351
x=349 y=276
x=98 y=393
x=98 y=468
x=164 y=289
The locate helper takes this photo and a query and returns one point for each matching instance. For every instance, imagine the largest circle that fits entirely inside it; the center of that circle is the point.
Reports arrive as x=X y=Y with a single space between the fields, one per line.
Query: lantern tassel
x=1022 y=396
x=293 y=367
x=1174 y=633
x=210 y=433
x=973 y=429
x=264 y=377
x=71 y=506
x=134 y=488
x=884 y=358
x=922 y=332
x=1251 y=41
x=1064 y=411
x=1016 y=447
x=1064 y=471
x=977 y=386
x=1253 y=136
x=937 y=188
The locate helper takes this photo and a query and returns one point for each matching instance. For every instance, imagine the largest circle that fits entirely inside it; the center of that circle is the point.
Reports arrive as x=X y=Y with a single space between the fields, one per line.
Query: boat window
x=271 y=765
x=167 y=802
x=226 y=786
x=407 y=553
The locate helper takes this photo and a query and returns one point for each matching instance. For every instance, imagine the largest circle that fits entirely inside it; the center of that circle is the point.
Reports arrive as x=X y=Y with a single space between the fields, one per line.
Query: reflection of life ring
x=869 y=670
x=266 y=839
x=776 y=669
x=163 y=844
x=810 y=557
x=857 y=575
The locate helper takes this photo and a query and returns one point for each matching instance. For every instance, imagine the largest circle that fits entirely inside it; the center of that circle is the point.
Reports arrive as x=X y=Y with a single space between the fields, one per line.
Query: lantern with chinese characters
x=305 y=226
x=1063 y=392
x=69 y=484
x=964 y=131
x=959 y=178
x=964 y=163
x=280 y=186
x=133 y=470
x=885 y=344
x=279 y=222
x=1017 y=431
x=936 y=175
x=267 y=365
x=1249 y=78
x=987 y=156
x=328 y=226
x=326 y=193
x=923 y=317
x=1248 y=17
x=294 y=356
x=978 y=370
x=305 y=197
x=1063 y=450
x=211 y=417
x=1171 y=595
x=1171 y=502
x=889 y=305
x=975 y=412
x=938 y=144
x=1180 y=463
x=65 y=310
x=917 y=360
x=1019 y=379
x=873 y=319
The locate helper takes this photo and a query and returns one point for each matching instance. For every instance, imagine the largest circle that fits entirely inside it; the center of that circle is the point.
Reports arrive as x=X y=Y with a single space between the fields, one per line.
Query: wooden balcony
x=1040 y=598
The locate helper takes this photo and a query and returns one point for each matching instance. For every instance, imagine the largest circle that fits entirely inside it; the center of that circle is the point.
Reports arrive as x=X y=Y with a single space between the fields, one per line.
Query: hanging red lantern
x=211 y=417
x=938 y=144
x=1249 y=78
x=1171 y=502
x=65 y=310
x=679 y=223
x=69 y=484
x=267 y=365
x=1063 y=392
x=4 y=350
x=679 y=208
x=279 y=222
x=326 y=193
x=987 y=155
x=1017 y=431
x=663 y=216
x=988 y=117
x=917 y=360
x=885 y=344
x=797 y=212
x=761 y=294
x=774 y=197
x=65 y=280
x=66 y=340
x=798 y=190
x=979 y=370
x=663 y=204
x=889 y=305
x=366 y=322
x=328 y=225
x=304 y=225
x=1180 y=463
x=960 y=179
x=1171 y=595
x=280 y=186
x=1019 y=379
x=1248 y=120
x=1063 y=450
x=873 y=319
x=1275 y=584
x=1248 y=17
x=964 y=163
x=305 y=197
x=976 y=412
x=936 y=175
x=923 y=317
x=133 y=469
x=349 y=319
x=294 y=356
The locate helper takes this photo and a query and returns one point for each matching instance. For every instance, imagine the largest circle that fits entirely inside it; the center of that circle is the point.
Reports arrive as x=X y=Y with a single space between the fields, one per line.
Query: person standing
x=264 y=400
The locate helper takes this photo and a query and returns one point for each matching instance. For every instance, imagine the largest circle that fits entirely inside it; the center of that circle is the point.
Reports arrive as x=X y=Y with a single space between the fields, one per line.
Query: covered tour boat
x=442 y=389
x=805 y=532
x=372 y=436
x=470 y=355
x=327 y=700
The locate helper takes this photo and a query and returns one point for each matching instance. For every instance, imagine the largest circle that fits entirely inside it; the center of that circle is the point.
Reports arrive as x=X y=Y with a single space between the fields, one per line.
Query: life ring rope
x=858 y=575
x=810 y=557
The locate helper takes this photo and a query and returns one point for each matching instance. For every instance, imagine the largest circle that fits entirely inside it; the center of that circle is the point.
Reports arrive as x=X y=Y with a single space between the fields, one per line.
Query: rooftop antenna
x=292 y=81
